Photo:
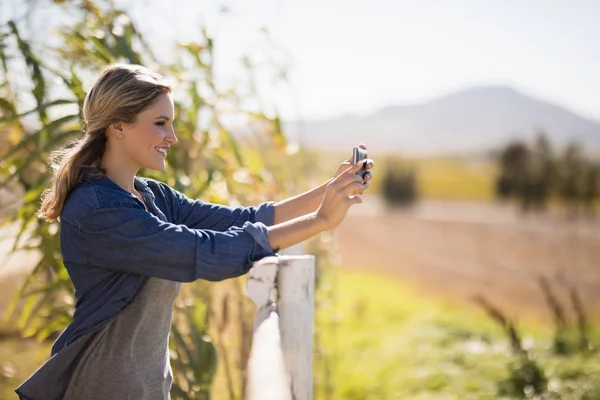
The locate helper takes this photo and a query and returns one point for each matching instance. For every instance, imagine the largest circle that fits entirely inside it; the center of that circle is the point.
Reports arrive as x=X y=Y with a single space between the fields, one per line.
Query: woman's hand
x=296 y=219
x=370 y=164
x=342 y=192
x=308 y=202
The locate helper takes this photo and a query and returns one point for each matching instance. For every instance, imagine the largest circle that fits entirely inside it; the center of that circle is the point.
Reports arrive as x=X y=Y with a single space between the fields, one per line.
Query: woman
x=129 y=242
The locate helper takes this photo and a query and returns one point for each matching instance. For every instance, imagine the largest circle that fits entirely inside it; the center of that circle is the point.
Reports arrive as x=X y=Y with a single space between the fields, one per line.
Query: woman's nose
x=172 y=137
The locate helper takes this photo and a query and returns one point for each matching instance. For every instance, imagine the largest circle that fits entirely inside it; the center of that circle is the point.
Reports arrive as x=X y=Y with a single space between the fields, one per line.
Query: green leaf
x=33 y=195
x=39 y=89
x=126 y=47
x=39 y=152
x=3 y=56
x=26 y=311
x=24 y=225
x=178 y=393
x=206 y=184
x=56 y=324
x=45 y=106
x=182 y=345
x=51 y=127
x=76 y=86
x=8 y=108
x=207 y=351
x=102 y=50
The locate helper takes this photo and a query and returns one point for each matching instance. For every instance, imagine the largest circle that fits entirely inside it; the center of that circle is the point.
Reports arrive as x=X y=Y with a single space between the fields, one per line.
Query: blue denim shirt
x=111 y=244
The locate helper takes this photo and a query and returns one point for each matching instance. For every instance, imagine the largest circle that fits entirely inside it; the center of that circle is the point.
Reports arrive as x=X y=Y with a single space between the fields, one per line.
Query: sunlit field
x=455 y=178
x=385 y=341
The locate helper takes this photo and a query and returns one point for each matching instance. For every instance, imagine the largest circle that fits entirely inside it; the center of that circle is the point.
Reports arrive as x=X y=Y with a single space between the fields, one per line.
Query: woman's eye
x=162 y=123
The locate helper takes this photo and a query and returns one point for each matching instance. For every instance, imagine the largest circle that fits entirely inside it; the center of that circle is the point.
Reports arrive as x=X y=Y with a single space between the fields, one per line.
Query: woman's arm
x=297 y=206
x=133 y=241
x=338 y=195
x=196 y=214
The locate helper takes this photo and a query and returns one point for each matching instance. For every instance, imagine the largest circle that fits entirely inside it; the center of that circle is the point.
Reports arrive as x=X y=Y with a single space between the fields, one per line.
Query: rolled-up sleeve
x=259 y=232
x=197 y=214
x=265 y=213
x=134 y=241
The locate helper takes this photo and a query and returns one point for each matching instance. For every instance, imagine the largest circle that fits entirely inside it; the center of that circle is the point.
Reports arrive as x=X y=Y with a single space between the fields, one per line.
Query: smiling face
x=146 y=141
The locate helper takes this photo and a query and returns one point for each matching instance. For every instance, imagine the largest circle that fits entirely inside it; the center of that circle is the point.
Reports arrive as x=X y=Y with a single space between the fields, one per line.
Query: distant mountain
x=474 y=120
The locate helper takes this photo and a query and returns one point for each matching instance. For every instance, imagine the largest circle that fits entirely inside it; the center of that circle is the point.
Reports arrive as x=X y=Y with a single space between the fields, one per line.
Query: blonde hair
x=120 y=93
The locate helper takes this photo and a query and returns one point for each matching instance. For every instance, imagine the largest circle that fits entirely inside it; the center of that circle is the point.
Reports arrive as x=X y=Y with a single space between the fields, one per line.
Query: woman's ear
x=116 y=130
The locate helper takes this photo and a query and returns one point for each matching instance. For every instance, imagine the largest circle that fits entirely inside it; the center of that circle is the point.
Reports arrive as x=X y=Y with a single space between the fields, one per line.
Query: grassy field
x=382 y=340
x=455 y=178
x=388 y=342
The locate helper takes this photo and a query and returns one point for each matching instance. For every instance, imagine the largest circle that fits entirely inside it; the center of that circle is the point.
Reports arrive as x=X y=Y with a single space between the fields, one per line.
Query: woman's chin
x=157 y=166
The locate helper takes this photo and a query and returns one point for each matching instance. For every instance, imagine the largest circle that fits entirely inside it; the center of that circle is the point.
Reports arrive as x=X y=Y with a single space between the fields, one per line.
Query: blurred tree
x=514 y=171
x=541 y=175
x=590 y=187
x=534 y=176
x=572 y=179
x=399 y=185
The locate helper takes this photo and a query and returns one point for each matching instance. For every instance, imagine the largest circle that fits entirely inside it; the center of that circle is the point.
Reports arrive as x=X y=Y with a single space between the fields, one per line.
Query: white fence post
x=283 y=290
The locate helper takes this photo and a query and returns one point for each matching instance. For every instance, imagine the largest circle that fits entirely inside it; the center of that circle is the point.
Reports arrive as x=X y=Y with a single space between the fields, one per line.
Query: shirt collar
x=101 y=179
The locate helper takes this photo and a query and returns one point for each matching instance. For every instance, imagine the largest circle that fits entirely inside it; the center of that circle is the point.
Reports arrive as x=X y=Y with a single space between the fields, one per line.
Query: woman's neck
x=119 y=170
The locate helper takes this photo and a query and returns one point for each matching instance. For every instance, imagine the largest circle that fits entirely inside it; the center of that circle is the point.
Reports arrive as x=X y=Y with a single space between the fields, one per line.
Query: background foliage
x=534 y=174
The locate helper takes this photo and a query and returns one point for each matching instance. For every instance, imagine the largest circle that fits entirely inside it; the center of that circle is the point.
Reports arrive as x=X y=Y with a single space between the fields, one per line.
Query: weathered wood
x=267 y=376
x=283 y=290
x=261 y=283
x=296 y=304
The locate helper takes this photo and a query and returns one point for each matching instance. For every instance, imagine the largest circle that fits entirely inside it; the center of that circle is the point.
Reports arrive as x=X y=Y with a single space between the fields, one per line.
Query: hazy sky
x=356 y=56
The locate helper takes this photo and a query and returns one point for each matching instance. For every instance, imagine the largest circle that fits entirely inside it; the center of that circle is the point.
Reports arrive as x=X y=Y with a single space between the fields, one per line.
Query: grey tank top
x=129 y=358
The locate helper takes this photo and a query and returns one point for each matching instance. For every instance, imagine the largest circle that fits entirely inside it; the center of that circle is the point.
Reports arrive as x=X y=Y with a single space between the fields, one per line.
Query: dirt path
x=457 y=250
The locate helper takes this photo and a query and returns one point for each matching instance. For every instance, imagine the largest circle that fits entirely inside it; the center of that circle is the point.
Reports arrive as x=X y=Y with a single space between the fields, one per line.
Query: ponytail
x=73 y=164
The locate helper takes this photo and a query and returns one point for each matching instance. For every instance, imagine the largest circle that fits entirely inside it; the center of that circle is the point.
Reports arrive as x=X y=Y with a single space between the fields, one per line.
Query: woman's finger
x=356 y=199
x=370 y=163
x=342 y=186
x=350 y=175
x=351 y=170
x=353 y=188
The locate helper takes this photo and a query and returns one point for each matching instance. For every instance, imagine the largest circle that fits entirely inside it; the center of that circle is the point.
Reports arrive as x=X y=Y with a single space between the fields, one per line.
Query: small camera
x=359 y=155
